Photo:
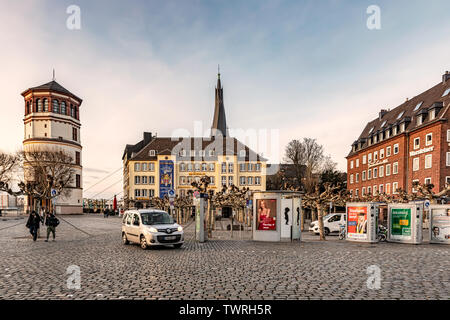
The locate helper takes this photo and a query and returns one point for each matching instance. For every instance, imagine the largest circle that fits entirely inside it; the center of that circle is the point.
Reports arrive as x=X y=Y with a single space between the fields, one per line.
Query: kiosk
x=276 y=215
x=440 y=223
x=362 y=222
x=405 y=223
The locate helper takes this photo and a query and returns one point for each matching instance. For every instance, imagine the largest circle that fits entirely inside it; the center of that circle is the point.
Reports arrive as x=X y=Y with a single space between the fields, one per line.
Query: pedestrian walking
x=106 y=213
x=51 y=222
x=33 y=223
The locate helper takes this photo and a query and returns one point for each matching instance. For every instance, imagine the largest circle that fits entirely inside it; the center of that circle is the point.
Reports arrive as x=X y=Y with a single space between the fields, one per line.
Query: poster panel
x=440 y=225
x=266 y=214
x=357 y=222
x=401 y=223
x=165 y=177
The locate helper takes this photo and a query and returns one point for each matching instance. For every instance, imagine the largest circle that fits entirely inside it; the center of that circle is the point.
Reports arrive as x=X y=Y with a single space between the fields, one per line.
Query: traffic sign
x=171 y=193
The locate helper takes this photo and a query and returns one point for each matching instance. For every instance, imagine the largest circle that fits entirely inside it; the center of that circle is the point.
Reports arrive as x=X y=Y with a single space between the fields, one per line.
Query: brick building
x=406 y=144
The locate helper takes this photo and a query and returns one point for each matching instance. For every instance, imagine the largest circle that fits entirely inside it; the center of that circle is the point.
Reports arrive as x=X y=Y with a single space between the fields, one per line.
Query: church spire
x=219 y=121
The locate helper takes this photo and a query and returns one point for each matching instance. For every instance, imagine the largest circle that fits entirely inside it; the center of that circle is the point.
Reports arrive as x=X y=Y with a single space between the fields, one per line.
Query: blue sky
x=306 y=68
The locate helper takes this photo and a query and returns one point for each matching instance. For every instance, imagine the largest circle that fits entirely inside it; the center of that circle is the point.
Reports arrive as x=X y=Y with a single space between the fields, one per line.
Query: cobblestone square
x=221 y=268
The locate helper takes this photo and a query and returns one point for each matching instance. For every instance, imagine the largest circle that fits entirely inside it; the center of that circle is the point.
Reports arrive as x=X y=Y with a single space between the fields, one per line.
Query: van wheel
x=143 y=243
x=177 y=246
x=124 y=239
x=326 y=231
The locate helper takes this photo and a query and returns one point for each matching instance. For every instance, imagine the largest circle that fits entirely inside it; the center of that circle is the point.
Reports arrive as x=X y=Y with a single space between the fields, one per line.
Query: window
x=182 y=180
x=448 y=159
x=418 y=106
x=55 y=106
x=250 y=181
x=388 y=170
x=388 y=151
x=137 y=166
x=394 y=187
x=144 y=167
x=447 y=180
x=364 y=175
x=190 y=167
x=429 y=139
x=77 y=158
x=388 y=188
x=224 y=167
x=230 y=167
x=357 y=163
x=363 y=191
x=395 y=168
x=72 y=111
x=351 y=164
x=419 y=120
x=400 y=115
x=446 y=92
x=137 y=192
x=45 y=105
x=151 y=192
x=212 y=167
x=381 y=189
x=242 y=181
x=183 y=153
x=242 y=153
x=211 y=180
x=38 y=107
x=416 y=143
x=242 y=167
x=416 y=163
x=197 y=167
x=369 y=174
x=258 y=181
x=369 y=157
x=351 y=178
x=224 y=180
x=250 y=167
x=77 y=181
x=369 y=190
x=74 y=134
x=427 y=181
x=357 y=178
x=375 y=173
x=204 y=167
x=230 y=180
x=428 y=161
x=364 y=158
x=375 y=156
x=396 y=148
x=63 y=108
x=383 y=124
x=182 y=167
x=381 y=173
x=151 y=166
x=211 y=153
x=151 y=180
x=152 y=153
x=381 y=153
x=448 y=135
x=258 y=167
x=144 y=180
x=137 y=180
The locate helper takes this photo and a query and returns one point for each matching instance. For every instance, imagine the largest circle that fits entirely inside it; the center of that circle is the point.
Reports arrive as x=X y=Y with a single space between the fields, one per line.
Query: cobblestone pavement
x=221 y=268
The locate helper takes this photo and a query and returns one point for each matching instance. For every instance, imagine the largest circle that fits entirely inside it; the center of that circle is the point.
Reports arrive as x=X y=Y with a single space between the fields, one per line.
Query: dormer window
x=242 y=153
x=400 y=115
x=395 y=130
x=419 y=119
x=383 y=124
x=432 y=114
x=418 y=106
x=402 y=127
x=183 y=153
x=152 y=153
x=446 y=92
x=211 y=153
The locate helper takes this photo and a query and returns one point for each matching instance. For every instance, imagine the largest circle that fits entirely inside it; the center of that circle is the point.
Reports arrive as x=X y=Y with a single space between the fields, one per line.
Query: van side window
x=334 y=218
x=136 y=219
x=128 y=219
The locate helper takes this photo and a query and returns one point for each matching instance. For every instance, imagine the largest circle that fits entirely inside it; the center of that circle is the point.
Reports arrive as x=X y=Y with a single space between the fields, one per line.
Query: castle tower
x=52 y=122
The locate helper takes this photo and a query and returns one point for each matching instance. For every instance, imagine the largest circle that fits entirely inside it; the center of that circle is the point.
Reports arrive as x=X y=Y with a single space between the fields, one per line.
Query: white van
x=331 y=223
x=151 y=227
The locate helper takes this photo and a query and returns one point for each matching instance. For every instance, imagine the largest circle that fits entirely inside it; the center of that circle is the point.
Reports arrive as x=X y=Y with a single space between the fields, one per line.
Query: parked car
x=331 y=223
x=151 y=227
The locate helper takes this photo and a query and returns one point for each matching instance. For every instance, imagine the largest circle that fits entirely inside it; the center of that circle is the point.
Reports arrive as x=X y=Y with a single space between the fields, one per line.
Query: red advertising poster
x=266 y=214
x=357 y=222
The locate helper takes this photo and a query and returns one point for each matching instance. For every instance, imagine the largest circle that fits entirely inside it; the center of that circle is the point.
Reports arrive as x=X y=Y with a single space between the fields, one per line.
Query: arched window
x=28 y=111
x=38 y=106
x=55 y=106
x=45 y=105
x=72 y=111
x=63 y=108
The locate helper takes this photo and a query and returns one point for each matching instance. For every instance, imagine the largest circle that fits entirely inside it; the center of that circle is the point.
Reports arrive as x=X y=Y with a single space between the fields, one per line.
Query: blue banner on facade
x=165 y=177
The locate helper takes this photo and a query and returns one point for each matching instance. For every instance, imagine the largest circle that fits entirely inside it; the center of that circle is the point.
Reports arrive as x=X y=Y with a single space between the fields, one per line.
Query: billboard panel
x=166 y=174
x=357 y=222
x=266 y=214
x=440 y=224
x=401 y=223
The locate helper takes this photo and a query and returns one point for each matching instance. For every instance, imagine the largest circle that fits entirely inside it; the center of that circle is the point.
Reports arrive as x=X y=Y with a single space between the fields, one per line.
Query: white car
x=151 y=227
x=331 y=223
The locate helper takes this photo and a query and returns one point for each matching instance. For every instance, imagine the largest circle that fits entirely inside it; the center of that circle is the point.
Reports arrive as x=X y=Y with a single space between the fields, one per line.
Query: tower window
x=55 y=106
x=74 y=134
x=63 y=108
x=45 y=105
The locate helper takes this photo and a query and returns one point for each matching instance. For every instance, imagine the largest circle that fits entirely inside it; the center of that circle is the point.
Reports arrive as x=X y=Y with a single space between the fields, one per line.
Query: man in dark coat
x=34 y=220
x=51 y=222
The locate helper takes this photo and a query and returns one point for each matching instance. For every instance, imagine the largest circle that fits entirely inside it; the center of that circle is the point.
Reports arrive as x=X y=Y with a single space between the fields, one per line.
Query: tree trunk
x=320 y=219
x=302 y=220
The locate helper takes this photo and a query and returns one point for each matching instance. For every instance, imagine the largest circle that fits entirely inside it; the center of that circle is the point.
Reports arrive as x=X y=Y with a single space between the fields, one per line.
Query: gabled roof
x=52 y=86
x=407 y=112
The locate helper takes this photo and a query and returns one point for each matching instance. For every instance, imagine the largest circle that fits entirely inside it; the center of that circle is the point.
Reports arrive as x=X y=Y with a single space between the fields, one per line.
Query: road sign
x=171 y=193
x=53 y=192
x=427 y=203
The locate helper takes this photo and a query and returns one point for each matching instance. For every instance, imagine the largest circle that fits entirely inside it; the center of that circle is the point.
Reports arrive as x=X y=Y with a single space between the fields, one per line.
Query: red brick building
x=408 y=143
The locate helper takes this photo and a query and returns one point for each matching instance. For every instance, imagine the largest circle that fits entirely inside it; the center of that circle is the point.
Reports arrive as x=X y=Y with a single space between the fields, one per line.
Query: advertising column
x=266 y=206
x=440 y=224
x=405 y=223
x=362 y=222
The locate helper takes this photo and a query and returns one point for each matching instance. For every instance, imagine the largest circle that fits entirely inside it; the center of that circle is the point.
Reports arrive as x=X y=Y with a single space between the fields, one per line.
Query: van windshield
x=159 y=217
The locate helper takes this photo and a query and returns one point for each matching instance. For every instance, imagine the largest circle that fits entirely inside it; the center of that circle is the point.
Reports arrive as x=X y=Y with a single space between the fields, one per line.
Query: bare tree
x=8 y=165
x=47 y=174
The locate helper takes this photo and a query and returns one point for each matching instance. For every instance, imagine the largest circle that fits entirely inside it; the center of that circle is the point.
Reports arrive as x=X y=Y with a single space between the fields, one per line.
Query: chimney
x=445 y=77
x=382 y=113
x=147 y=137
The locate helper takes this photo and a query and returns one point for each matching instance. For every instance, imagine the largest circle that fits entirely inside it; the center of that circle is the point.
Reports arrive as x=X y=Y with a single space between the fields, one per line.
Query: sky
x=300 y=68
